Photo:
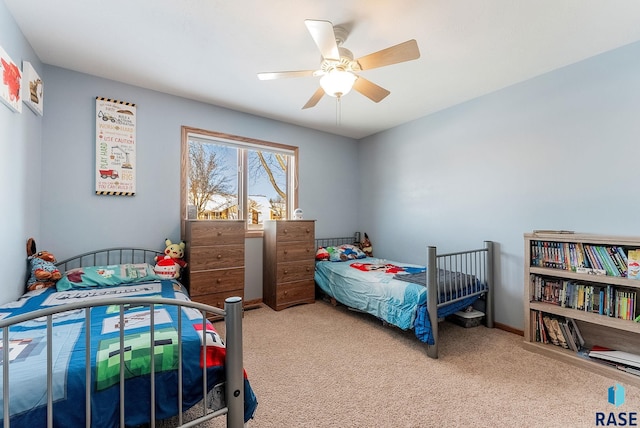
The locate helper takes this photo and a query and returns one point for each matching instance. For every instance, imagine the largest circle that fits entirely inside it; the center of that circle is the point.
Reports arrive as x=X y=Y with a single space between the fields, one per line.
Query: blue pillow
x=106 y=276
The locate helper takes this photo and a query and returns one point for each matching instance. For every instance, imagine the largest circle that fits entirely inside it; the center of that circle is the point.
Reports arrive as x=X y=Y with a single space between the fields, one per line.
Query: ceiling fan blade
x=322 y=33
x=314 y=99
x=406 y=51
x=370 y=90
x=283 y=74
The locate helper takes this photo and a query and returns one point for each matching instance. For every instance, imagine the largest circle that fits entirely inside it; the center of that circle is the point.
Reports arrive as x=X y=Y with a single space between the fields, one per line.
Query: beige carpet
x=323 y=366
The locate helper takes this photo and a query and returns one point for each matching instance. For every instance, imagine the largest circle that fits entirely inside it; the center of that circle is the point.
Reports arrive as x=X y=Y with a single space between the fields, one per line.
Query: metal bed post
x=432 y=299
x=234 y=368
x=490 y=284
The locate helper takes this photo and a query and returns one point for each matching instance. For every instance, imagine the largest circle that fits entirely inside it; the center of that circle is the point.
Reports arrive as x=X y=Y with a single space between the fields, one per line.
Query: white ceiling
x=211 y=50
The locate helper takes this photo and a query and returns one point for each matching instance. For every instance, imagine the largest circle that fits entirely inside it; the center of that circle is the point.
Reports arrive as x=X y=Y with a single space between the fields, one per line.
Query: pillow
x=345 y=252
x=106 y=276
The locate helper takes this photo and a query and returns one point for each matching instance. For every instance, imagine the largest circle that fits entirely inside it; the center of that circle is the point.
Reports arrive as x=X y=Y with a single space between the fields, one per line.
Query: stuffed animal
x=175 y=251
x=366 y=247
x=43 y=271
x=166 y=268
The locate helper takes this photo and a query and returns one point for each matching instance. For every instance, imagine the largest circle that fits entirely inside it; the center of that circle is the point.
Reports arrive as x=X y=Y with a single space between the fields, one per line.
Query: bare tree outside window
x=207 y=177
x=226 y=176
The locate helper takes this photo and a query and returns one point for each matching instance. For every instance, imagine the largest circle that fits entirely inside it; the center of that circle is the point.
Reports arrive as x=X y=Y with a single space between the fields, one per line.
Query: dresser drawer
x=214 y=232
x=296 y=292
x=295 y=271
x=216 y=257
x=217 y=299
x=216 y=281
x=296 y=231
x=294 y=251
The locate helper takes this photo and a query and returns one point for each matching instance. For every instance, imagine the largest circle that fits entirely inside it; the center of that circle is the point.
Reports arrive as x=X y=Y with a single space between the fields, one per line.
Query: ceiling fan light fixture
x=337 y=83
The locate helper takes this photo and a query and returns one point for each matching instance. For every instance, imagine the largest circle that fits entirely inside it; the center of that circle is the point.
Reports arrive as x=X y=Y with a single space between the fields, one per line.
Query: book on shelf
x=583 y=258
x=617 y=357
x=633 y=263
x=607 y=300
x=559 y=331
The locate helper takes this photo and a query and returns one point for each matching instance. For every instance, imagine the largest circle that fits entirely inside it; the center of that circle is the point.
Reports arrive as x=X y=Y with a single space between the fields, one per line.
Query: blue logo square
x=616 y=395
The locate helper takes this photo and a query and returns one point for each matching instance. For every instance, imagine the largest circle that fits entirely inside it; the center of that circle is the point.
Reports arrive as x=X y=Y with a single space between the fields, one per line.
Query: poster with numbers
x=115 y=147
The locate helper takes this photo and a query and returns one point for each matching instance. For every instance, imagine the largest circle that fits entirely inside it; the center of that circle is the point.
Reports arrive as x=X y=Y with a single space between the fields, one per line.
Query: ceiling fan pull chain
x=338 y=110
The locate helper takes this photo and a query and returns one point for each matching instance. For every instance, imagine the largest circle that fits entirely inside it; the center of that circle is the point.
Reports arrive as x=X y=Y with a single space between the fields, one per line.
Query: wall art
x=10 y=81
x=115 y=147
x=32 y=88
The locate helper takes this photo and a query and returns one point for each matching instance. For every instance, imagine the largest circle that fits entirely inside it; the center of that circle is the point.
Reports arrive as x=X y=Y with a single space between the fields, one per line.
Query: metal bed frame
x=476 y=263
x=232 y=313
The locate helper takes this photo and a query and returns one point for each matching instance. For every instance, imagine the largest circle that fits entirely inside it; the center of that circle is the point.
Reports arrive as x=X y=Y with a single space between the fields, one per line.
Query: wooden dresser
x=289 y=263
x=215 y=257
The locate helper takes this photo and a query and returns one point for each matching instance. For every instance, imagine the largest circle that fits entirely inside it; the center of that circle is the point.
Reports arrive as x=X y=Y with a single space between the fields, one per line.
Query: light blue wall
x=75 y=220
x=556 y=152
x=20 y=170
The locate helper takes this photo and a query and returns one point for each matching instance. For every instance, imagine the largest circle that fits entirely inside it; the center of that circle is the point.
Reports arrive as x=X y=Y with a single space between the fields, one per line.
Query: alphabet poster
x=115 y=147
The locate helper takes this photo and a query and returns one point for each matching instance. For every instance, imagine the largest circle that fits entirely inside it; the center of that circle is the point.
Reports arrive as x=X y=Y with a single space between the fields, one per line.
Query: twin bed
x=405 y=295
x=83 y=356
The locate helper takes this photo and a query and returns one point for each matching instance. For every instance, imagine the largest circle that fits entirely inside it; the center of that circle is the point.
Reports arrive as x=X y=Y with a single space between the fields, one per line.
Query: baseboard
x=508 y=328
x=252 y=304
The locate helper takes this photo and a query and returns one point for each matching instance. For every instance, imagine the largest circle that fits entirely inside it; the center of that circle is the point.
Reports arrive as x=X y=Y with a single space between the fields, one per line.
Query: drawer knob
x=219 y=256
x=286 y=251
x=286 y=271
x=308 y=231
x=218 y=281
x=219 y=233
x=308 y=269
x=284 y=231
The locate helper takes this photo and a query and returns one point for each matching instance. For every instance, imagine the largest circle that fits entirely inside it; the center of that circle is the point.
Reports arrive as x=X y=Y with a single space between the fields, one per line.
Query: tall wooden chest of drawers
x=289 y=263
x=215 y=257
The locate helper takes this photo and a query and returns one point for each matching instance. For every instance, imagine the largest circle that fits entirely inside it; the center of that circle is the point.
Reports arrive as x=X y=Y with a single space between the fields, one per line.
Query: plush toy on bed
x=365 y=246
x=176 y=253
x=43 y=271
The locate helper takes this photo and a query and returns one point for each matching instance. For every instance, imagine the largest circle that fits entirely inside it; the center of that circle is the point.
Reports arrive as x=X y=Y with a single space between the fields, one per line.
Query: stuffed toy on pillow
x=43 y=272
x=176 y=253
x=365 y=245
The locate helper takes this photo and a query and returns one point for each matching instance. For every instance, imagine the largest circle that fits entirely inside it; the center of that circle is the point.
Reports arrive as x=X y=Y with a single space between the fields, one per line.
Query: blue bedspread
x=372 y=288
x=27 y=375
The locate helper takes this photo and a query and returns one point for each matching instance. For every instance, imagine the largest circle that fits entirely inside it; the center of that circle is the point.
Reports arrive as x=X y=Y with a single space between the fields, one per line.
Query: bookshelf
x=562 y=282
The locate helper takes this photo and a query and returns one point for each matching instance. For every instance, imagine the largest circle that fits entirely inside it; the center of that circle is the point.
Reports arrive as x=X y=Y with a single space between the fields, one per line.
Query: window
x=229 y=177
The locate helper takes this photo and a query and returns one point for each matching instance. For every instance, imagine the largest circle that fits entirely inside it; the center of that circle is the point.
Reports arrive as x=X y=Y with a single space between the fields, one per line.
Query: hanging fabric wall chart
x=115 y=147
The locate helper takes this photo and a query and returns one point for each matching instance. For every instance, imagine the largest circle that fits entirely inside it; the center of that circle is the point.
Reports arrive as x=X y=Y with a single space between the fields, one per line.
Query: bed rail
x=110 y=256
x=234 y=386
x=329 y=242
x=469 y=273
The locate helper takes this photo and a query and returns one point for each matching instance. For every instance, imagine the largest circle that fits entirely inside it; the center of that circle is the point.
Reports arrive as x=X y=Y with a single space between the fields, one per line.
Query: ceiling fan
x=338 y=68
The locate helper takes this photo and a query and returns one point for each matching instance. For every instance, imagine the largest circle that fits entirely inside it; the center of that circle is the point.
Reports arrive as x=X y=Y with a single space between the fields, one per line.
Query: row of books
x=559 y=331
x=565 y=333
x=617 y=302
x=578 y=257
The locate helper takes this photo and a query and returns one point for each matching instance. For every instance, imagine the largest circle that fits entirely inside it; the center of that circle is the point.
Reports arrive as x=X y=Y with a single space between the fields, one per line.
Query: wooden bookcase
x=596 y=329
